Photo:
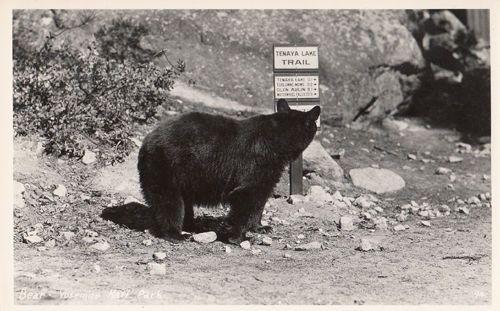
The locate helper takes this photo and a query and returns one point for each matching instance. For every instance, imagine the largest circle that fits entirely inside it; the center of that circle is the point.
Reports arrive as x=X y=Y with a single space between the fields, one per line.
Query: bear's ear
x=313 y=114
x=282 y=105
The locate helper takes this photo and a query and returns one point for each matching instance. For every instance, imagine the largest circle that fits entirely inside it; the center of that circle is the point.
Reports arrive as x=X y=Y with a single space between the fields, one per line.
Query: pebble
x=157 y=268
x=89 y=157
x=286 y=255
x=443 y=171
x=463 y=210
x=267 y=241
x=402 y=216
x=68 y=235
x=405 y=207
x=423 y=214
x=318 y=194
x=482 y=197
x=426 y=223
x=160 y=255
x=296 y=198
x=365 y=245
x=101 y=246
x=444 y=208
x=256 y=251
x=367 y=215
x=228 y=249
x=363 y=202
x=205 y=237
x=50 y=243
x=346 y=223
x=455 y=159
x=97 y=268
x=245 y=245
x=399 y=228
x=380 y=223
x=32 y=239
x=453 y=177
x=147 y=242
x=412 y=156
x=308 y=246
x=474 y=200
x=60 y=191
x=379 y=209
x=91 y=233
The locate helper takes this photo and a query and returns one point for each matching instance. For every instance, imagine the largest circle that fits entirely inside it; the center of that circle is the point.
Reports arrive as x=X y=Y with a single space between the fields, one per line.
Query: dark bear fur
x=203 y=159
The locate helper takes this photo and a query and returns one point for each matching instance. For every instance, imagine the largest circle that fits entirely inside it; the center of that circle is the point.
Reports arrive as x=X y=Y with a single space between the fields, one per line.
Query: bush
x=72 y=98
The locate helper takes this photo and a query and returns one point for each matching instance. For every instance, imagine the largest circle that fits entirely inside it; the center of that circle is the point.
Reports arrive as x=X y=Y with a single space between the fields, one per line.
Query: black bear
x=204 y=159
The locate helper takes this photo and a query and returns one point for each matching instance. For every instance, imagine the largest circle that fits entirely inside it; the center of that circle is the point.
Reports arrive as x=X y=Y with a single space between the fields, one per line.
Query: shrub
x=72 y=98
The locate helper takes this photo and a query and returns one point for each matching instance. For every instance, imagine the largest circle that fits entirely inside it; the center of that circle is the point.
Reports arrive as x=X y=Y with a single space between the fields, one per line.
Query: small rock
x=301 y=237
x=463 y=148
x=18 y=194
x=367 y=215
x=474 y=200
x=157 y=268
x=365 y=245
x=50 y=243
x=88 y=240
x=89 y=157
x=379 y=209
x=136 y=141
x=205 y=237
x=412 y=156
x=68 y=235
x=482 y=197
x=453 y=177
x=60 y=191
x=256 y=251
x=319 y=195
x=97 y=268
x=245 y=245
x=405 y=207
x=399 y=228
x=101 y=246
x=455 y=159
x=228 y=249
x=376 y=180
x=346 y=223
x=308 y=246
x=286 y=255
x=147 y=242
x=380 y=223
x=267 y=241
x=159 y=255
x=463 y=210
x=402 y=217
x=444 y=208
x=91 y=233
x=424 y=214
x=32 y=239
x=443 y=171
x=296 y=198
x=130 y=199
x=426 y=223
x=363 y=202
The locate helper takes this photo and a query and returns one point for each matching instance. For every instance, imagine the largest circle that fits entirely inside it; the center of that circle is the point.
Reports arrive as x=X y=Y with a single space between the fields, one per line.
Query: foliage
x=75 y=97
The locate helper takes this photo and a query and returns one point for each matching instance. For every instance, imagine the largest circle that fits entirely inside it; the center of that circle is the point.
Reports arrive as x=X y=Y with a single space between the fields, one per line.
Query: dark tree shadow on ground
x=139 y=217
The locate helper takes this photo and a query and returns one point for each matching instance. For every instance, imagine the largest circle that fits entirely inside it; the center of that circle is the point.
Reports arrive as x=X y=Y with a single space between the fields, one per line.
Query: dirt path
x=446 y=263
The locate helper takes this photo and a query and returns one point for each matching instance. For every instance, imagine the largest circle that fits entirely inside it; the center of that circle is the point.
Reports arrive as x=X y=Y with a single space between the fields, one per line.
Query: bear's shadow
x=139 y=217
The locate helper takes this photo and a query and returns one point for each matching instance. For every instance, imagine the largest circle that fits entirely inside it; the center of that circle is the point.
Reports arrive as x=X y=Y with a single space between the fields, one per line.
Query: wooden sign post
x=296 y=79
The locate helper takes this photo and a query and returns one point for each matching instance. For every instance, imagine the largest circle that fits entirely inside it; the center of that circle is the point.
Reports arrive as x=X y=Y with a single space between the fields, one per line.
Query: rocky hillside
x=229 y=52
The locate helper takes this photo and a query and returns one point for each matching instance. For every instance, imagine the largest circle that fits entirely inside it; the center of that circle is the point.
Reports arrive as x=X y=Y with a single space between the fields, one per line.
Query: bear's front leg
x=247 y=206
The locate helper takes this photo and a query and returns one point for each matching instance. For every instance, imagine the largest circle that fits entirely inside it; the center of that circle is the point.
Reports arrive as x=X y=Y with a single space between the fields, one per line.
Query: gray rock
x=376 y=180
x=245 y=245
x=463 y=210
x=426 y=223
x=205 y=237
x=346 y=223
x=443 y=171
x=228 y=249
x=455 y=159
x=60 y=191
x=412 y=156
x=267 y=241
x=363 y=201
x=157 y=268
x=160 y=255
x=256 y=251
x=394 y=125
x=365 y=245
x=403 y=216
x=147 y=242
x=399 y=228
x=101 y=246
x=89 y=157
x=32 y=239
x=296 y=198
x=68 y=235
x=319 y=195
x=380 y=223
x=50 y=243
x=317 y=159
x=308 y=246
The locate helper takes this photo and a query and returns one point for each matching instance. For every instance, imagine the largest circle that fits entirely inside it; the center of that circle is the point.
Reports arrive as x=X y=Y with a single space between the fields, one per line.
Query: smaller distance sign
x=299 y=87
x=296 y=57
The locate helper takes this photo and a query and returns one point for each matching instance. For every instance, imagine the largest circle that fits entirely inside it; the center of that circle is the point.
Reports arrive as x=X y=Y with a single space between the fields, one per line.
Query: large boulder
x=368 y=58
